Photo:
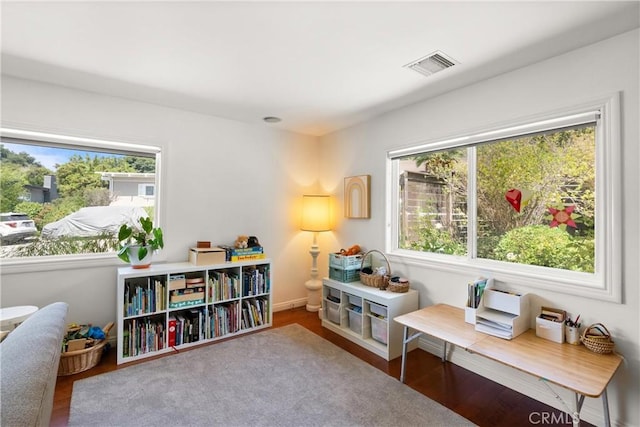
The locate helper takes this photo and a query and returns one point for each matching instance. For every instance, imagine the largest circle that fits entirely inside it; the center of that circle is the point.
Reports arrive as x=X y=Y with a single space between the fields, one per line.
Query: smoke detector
x=432 y=63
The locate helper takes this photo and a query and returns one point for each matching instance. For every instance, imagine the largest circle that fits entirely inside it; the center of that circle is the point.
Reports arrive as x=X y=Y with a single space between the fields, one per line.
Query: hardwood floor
x=462 y=391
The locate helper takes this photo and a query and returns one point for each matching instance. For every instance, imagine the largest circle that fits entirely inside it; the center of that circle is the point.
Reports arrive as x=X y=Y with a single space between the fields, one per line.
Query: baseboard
x=288 y=305
x=512 y=378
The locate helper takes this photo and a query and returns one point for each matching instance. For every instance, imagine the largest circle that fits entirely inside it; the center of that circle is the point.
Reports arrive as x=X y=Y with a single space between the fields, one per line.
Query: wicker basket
x=597 y=339
x=375 y=280
x=398 y=287
x=73 y=362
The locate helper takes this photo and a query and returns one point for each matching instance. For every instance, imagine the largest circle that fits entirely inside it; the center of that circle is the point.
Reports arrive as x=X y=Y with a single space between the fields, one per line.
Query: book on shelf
x=231 y=251
x=258 y=303
x=172 y=331
x=125 y=342
x=245 y=319
x=247 y=257
x=255 y=281
x=181 y=327
x=197 y=326
x=195 y=282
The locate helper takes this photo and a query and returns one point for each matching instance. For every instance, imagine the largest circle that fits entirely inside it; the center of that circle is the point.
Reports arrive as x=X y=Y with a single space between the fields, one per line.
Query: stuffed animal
x=242 y=242
x=253 y=242
x=353 y=250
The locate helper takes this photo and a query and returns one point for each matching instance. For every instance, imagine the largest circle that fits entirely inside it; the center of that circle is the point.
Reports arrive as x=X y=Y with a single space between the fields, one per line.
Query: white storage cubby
x=365 y=315
x=170 y=306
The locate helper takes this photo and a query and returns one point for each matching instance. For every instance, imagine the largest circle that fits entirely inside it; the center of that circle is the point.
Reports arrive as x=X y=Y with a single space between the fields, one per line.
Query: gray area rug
x=285 y=376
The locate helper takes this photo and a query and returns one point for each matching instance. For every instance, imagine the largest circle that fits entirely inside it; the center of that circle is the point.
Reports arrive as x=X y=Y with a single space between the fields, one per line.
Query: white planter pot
x=140 y=263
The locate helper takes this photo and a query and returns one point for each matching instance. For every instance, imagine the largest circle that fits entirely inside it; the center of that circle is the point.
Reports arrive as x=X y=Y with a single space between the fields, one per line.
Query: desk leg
x=444 y=352
x=576 y=414
x=406 y=339
x=605 y=406
x=404 y=352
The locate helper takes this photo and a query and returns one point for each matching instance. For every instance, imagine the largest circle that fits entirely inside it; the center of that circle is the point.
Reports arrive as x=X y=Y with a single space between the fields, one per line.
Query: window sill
x=55 y=263
x=581 y=284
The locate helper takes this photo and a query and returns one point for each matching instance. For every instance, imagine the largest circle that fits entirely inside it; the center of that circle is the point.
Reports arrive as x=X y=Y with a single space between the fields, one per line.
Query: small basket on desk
x=73 y=362
x=597 y=339
x=375 y=280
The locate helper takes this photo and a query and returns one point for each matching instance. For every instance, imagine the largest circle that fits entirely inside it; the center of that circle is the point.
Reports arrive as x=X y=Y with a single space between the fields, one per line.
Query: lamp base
x=314 y=294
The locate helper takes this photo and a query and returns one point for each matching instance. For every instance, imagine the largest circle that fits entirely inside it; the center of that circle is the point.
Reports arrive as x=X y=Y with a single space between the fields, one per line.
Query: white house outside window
x=533 y=202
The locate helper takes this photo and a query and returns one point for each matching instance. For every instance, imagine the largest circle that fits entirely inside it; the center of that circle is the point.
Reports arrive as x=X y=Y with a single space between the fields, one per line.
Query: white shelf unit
x=144 y=311
x=372 y=326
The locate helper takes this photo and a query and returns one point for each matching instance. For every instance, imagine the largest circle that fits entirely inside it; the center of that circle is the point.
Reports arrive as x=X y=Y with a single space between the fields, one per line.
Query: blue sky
x=50 y=156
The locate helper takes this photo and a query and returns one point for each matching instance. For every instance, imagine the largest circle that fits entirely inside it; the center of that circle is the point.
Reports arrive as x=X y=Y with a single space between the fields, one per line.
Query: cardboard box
x=207 y=256
x=177 y=282
x=77 y=344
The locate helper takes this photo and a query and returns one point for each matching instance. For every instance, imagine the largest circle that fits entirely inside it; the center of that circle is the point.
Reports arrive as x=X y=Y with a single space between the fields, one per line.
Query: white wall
x=224 y=178
x=607 y=67
x=221 y=178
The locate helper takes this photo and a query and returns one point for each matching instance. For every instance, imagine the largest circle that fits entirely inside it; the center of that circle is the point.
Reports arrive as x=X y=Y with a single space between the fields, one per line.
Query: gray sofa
x=29 y=358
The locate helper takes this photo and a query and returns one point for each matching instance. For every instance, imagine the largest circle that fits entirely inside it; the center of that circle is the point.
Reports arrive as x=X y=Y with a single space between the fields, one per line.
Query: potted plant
x=136 y=245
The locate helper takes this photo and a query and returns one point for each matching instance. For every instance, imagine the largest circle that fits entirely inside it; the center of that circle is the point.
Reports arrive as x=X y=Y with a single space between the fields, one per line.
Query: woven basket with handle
x=73 y=362
x=375 y=280
x=597 y=339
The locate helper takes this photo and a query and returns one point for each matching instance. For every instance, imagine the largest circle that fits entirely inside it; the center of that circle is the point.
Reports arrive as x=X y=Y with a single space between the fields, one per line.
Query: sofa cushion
x=29 y=358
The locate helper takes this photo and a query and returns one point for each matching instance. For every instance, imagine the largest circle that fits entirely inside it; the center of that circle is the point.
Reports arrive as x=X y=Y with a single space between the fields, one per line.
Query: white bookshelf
x=371 y=327
x=145 y=311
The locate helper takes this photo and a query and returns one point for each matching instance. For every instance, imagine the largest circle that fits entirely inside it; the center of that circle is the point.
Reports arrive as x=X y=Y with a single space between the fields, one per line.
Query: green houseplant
x=137 y=244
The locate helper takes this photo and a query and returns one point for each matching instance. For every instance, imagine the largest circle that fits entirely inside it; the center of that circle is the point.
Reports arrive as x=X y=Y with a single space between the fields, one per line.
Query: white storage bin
x=354 y=300
x=334 y=292
x=379 y=329
x=333 y=311
x=378 y=309
x=549 y=330
x=355 y=321
x=506 y=301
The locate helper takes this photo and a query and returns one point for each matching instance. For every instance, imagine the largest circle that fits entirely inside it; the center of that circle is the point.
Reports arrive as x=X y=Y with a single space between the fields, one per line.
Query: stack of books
x=243 y=254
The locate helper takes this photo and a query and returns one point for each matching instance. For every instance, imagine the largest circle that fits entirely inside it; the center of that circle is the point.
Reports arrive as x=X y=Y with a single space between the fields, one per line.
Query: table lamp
x=316 y=217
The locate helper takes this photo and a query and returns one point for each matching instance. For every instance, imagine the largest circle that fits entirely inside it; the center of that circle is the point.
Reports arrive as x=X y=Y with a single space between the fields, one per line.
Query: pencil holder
x=571 y=335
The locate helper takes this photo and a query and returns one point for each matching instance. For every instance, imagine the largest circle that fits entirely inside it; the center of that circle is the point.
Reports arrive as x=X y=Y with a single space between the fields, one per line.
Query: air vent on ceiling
x=432 y=63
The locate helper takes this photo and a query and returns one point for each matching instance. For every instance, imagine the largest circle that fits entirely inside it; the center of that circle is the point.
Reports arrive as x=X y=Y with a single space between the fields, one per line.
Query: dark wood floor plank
x=460 y=390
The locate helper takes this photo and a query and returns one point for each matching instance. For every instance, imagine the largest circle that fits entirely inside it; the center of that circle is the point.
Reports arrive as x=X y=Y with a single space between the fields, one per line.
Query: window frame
x=62 y=262
x=605 y=283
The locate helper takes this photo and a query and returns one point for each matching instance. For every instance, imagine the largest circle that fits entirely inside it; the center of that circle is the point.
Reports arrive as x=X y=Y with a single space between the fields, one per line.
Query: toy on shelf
x=353 y=250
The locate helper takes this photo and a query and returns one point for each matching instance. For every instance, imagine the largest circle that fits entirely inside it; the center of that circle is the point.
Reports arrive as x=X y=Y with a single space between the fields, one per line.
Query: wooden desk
x=573 y=367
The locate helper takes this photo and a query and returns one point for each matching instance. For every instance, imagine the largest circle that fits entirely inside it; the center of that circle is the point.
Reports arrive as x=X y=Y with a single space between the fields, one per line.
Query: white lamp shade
x=316 y=213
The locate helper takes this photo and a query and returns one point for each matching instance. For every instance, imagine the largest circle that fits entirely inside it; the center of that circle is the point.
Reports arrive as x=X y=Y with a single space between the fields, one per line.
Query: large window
x=532 y=201
x=71 y=194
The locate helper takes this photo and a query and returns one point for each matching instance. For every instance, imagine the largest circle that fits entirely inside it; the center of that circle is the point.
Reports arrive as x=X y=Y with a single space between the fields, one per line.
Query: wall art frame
x=357 y=197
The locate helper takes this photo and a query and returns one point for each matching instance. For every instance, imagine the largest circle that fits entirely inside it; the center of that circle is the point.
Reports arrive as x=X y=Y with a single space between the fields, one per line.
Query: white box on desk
x=508 y=302
x=508 y=311
x=550 y=330
x=470 y=315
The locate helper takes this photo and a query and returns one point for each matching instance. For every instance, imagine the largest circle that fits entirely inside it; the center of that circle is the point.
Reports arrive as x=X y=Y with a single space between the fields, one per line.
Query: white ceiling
x=320 y=66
